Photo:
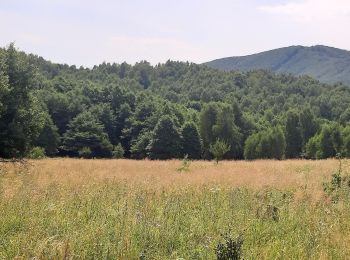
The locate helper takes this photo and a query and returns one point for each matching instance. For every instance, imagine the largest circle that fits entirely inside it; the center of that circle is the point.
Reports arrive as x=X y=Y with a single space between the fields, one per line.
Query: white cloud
x=312 y=10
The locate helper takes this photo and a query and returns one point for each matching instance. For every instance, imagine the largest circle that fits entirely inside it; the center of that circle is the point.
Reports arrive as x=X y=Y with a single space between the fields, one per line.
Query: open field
x=121 y=209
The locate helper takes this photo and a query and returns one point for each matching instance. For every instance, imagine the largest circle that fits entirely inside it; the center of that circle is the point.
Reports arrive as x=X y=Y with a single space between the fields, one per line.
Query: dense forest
x=166 y=111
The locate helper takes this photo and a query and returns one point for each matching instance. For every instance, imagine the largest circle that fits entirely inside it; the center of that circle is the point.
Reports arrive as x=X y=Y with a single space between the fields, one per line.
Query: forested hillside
x=166 y=111
x=327 y=64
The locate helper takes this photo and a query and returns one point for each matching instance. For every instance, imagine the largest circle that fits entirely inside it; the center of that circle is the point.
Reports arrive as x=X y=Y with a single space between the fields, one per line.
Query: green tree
x=347 y=146
x=217 y=121
x=139 y=145
x=208 y=117
x=191 y=141
x=105 y=115
x=326 y=146
x=264 y=147
x=312 y=149
x=345 y=116
x=267 y=144
x=36 y=153
x=84 y=131
x=219 y=149
x=48 y=138
x=143 y=70
x=118 y=151
x=336 y=137
x=278 y=143
x=166 y=140
x=308 y=125
x=4 y=84
x=85 y=152
x=250 y=147
x=226 y=130
x=346 y=141
x=22 y=117
x=293 y=135
x=60 y=109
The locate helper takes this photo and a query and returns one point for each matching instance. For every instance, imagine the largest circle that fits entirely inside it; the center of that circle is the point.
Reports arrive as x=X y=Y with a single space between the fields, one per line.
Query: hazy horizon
x=90 y=32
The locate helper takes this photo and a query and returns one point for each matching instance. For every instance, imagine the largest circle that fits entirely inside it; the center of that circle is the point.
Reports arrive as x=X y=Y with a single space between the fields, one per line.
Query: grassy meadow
x=123 y=209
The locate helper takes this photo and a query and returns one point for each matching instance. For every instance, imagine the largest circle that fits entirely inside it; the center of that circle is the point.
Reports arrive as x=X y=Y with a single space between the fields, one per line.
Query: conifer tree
x=191 y=142
x=85 y=132
x=166 y=140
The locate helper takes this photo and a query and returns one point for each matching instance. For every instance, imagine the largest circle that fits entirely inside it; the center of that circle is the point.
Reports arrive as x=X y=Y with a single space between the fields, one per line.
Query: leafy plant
x=85 y=152
x=118 y=152
x=185 y=165
x=219 y=149
x=229 y=248
x=36 y=153
x=338 y=181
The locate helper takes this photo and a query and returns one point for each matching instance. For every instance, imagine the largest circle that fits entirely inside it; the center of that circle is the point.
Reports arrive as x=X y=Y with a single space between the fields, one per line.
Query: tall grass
x=110 y=210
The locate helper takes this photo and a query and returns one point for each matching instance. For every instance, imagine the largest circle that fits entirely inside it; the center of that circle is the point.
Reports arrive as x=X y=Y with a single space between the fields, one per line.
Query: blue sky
x=88 y=32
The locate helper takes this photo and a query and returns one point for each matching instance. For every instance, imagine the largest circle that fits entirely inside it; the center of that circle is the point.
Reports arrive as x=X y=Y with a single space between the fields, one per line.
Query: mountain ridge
x=327 y=64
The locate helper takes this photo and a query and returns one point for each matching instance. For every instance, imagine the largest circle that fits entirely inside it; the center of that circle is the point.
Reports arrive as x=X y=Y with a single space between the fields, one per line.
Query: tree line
x=166 y=111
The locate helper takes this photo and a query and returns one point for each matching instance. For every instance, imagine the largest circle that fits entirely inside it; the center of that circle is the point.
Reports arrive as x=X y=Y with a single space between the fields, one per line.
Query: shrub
x=229 y=249
x=339 y=183
x=118 y=152
x=185 y=165
x=219 y=149
x=36 y=153
x=85 y=152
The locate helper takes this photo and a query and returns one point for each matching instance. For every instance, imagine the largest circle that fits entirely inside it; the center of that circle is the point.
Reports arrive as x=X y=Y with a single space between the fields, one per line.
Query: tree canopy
x=166 y=111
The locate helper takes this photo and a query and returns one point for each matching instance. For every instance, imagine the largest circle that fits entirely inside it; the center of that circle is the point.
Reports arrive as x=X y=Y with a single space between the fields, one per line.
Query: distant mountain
x=326 y=64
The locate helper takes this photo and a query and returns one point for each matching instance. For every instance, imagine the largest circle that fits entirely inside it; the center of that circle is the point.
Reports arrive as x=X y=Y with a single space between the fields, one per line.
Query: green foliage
x=85 y=131
x=191 y=141
x=166 y=140
x=217 y=122
x=36 y=153
x=225 y=129
x=21 y=115
x=139 y=147
x=107 y=118
x=229 y=249
x=4 y=84
x=118 y=152
x=308 y=125
x=85 y=152
x=219 y=149
x=347 y=147
x=268 y=144
x=327 y=143
x=312 y=150
x=339 y=184
x=49 y=138
x=185 y=165
x=294 y=137
x=39 y=102
x=208 y=117
x=345 y=116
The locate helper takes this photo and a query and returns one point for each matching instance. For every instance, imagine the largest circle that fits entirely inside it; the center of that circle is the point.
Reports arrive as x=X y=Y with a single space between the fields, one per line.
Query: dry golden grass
x=117 y=209
x=77 y=173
